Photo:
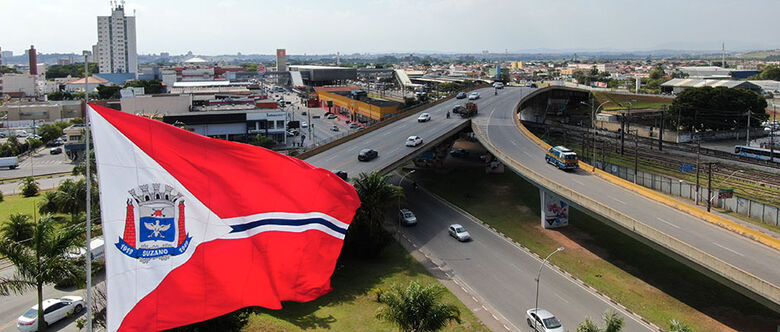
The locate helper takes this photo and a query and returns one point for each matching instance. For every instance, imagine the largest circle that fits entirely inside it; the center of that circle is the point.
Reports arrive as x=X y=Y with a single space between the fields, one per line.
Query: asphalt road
x=730 y=247
x=41 y=163
x=500 y=273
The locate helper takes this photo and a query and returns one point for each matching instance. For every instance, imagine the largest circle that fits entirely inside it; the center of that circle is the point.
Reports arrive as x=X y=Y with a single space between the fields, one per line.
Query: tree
x=49 y=132
x=18 y=228
x=262 y=140
x=73 y=70
x=678 y=326
x=8 y=70
x=657 y=73
x=61 y=95
x=612 y=323
x=771 y=72
x=29 y=187
x=366 y=237
x=42 y=261
x=150 y=86
x=417 y=308
x=108 y=91
x=717 y=108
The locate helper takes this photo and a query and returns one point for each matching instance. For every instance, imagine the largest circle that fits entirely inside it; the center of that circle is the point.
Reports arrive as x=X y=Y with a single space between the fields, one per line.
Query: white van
x=20 y=133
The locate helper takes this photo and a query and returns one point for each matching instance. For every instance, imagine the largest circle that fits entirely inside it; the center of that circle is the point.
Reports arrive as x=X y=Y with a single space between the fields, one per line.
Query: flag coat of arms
x=197 y=227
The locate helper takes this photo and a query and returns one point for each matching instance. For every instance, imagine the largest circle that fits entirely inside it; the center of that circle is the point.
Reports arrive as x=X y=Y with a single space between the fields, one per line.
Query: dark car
x=531 y=85
x=458 y=152
x=458 y=108
x=342 y=174
x=461 y=95
x=367 y=154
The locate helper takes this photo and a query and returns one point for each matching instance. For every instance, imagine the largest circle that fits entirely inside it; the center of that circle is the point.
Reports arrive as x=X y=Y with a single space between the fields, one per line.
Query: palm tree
x=678 y=326
x=44 y=260
x=18 y=228
x=365 y=235
x=29 y=187
x=613 y=322
x=417 y=308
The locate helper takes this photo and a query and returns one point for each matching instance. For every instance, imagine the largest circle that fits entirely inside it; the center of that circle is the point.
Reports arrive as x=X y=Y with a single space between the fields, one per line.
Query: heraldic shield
x=157 y=230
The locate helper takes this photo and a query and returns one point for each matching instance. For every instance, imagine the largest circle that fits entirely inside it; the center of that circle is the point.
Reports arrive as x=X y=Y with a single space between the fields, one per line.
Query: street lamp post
x=593 y=125
x=539 y=275
x=724 y=180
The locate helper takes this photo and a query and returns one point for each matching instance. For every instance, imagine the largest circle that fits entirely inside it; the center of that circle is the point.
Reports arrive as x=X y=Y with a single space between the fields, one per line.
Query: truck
x=10 y=162
x=562 y=157
x=470 y=110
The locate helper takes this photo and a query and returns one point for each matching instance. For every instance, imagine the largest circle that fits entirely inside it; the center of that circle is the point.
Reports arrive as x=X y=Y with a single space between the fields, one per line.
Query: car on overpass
x=367 y=154
x=461 y=95
x=498 y=85
x=543 y=321
x=424 y=117
x=474 y=95
x=414 y=141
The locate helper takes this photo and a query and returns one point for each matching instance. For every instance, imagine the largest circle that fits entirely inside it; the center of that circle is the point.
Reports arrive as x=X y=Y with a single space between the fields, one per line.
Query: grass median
x=352 y=305
x=656 y=287
x=17 y=203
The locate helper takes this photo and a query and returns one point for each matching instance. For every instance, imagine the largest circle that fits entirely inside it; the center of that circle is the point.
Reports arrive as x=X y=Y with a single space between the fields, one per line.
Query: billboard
x=555 y=211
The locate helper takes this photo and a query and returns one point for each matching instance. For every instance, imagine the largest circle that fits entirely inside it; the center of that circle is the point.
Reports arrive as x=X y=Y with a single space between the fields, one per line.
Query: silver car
x=457 y=231
x=407 y=217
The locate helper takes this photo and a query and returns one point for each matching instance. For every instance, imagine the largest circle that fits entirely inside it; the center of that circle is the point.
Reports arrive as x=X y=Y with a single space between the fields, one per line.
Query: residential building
x=116 y=47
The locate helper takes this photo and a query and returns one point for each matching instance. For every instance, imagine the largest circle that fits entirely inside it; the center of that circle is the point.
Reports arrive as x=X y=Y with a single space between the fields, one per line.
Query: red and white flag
x=198 y=227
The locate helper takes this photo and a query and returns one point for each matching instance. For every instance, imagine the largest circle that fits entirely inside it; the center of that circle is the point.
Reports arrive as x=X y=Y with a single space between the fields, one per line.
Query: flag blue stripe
x=286 y=222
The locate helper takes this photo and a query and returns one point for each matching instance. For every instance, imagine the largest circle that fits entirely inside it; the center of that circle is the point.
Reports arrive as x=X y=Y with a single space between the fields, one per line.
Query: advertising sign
x=555 y=211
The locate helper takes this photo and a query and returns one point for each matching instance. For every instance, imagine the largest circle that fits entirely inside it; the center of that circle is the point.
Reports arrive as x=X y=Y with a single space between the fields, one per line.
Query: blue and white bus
x=756 y=153
x=562 y=157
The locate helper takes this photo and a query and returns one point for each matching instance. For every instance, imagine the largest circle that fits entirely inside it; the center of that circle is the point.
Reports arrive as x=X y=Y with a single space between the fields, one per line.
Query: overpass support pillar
x=555 y=211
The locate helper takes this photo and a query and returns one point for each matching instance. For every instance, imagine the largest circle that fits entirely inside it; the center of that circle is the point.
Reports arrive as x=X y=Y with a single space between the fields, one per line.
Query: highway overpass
x=741 y=263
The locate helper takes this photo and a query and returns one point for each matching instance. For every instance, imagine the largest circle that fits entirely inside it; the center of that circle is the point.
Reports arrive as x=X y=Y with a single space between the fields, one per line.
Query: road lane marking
x=578 y=182
x=619 y=201
x=561 y=297
x=729 y=249
x=668 y=223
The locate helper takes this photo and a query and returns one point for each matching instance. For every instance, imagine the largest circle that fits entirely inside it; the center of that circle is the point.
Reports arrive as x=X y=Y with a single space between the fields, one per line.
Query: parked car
x=53 y=311
x=304 y=124
x=342 y=174
x=457 y=231
x=355 y=126
x=331 y=116
x=303 y=113
x=407 y=217
x=460 y=95
x=334 y=128
x=56 y=150
x=531 y=85
x=414 y=141
x=367 y=154
x=474 y=95
x=543 y=321
x=424 y=117
x=459 y=153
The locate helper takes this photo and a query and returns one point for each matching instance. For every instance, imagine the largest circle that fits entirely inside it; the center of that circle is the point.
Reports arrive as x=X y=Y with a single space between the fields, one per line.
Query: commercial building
x=51 y=111
x=324 y=75
x=355 y=104
x=281 y=59
x=116 y=47
x=677 y=85
x=163 y=104
x=239 y=125
x=713 y=72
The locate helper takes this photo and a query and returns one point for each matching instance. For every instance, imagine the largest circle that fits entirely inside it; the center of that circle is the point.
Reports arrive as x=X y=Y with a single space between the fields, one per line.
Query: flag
x=197 y=227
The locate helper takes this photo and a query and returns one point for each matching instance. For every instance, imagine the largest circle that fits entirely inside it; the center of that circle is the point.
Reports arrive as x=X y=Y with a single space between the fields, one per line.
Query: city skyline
x=461 y=26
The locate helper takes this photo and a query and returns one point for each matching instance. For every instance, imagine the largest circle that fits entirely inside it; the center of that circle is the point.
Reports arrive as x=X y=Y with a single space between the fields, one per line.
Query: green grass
x=644 y=280
x=16 y=203
x=352 y=306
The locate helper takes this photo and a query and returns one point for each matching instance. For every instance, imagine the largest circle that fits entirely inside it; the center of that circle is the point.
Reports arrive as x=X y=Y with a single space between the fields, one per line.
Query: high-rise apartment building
x=116 y=49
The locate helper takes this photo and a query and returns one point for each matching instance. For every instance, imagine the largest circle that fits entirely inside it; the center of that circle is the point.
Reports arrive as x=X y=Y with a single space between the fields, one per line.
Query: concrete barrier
x=757 y=288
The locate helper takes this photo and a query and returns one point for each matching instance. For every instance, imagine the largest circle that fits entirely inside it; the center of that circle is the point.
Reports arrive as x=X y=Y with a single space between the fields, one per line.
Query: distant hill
x=761 y=55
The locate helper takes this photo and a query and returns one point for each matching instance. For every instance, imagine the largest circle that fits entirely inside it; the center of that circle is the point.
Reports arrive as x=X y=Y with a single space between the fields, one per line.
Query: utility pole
x=747 y=136
x=709 y=185
x=636 y=154
x=698 y=152
x=622 y=132
x=661 y=130
x=772 y=128
x=87 y=161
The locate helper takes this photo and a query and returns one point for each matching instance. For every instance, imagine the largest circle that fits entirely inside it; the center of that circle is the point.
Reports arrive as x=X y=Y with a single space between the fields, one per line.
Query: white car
x=498 y=85
x=423 y=117
x=474 y=95
x=53 y=311
x=407 y=217
x=304 y=124
x=414 y=141
x=457 y=231
x=543 y=321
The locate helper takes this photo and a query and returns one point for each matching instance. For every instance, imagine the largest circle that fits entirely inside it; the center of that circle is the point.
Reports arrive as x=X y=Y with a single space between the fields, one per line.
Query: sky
x=382 y=26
